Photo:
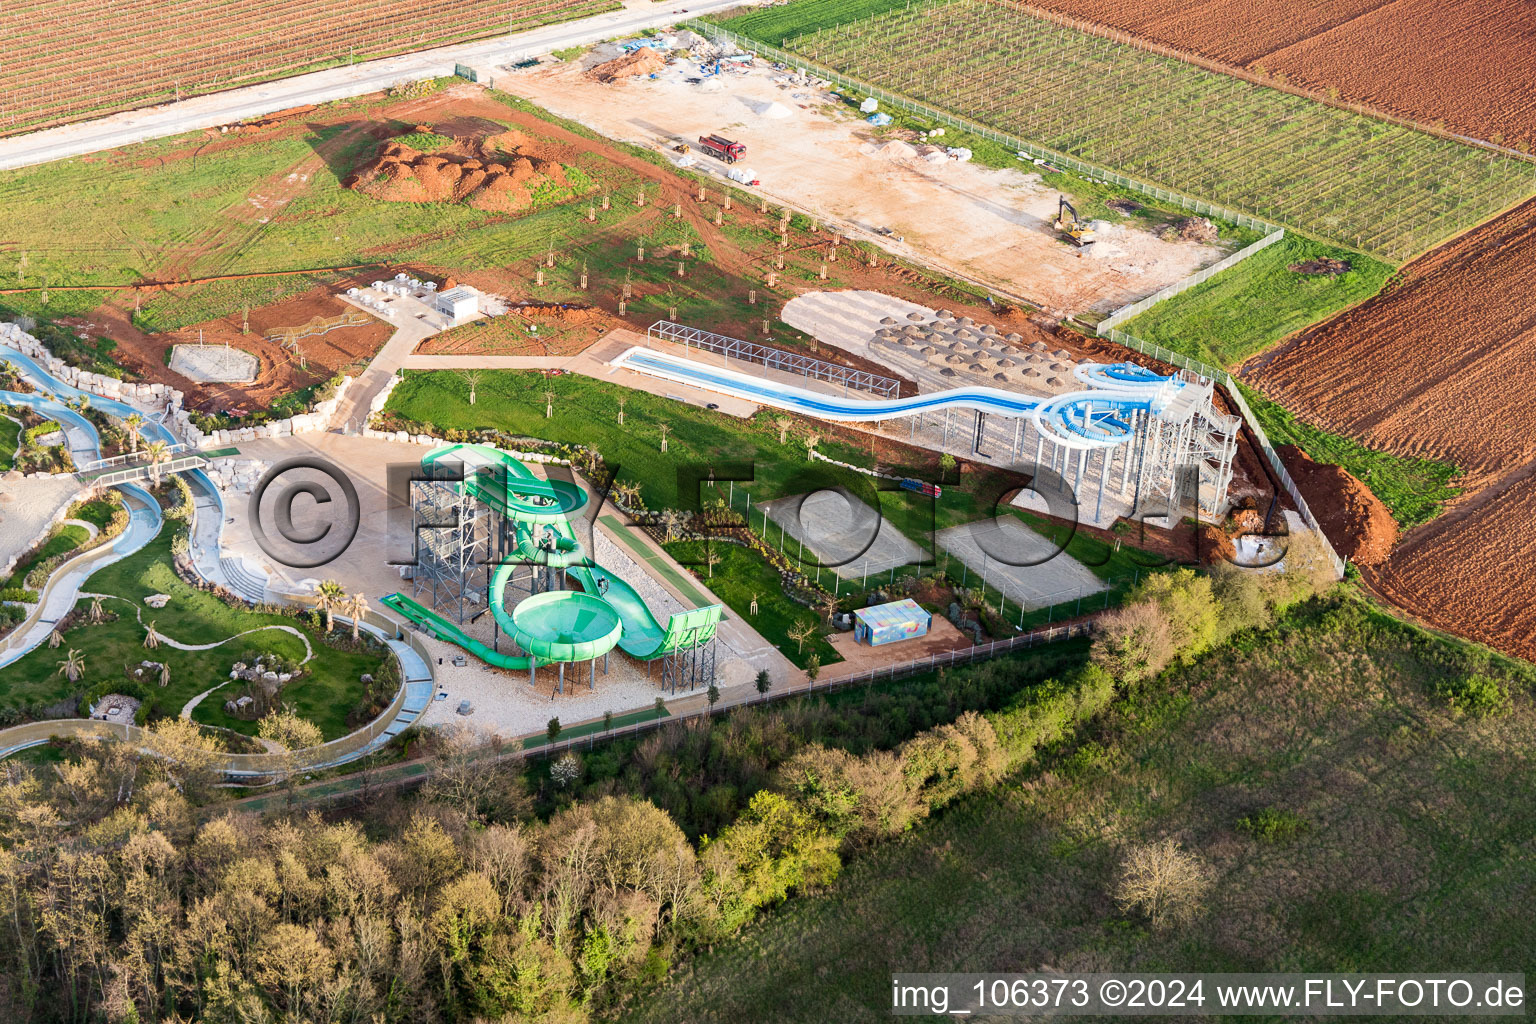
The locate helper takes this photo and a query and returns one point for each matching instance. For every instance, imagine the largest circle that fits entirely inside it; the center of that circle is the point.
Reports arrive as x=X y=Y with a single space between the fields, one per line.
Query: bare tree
x=800 y=632
x=1161 y=881
x=711 y=559
x=549 y=404
x=783 y=423
x=473 y=379
x=665 y=429
x=623 y=401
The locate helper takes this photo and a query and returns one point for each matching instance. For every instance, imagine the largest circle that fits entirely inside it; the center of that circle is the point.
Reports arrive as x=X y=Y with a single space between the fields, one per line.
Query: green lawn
x=327 y=691
x=1242 y=311
x=10 y=438
x=743 y=574
x=586 y=412
x=65 y=538
x=1412 y=847
x=1415 y=490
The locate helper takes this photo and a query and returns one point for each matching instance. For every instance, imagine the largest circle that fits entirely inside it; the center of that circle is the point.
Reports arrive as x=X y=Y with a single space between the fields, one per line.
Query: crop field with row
x=1368 y=184
x=69 y=60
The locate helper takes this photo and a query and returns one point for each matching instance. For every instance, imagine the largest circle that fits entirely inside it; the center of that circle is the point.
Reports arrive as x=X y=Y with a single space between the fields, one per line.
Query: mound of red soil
x=499 y=174
x=1356 y=522
x=642 y=62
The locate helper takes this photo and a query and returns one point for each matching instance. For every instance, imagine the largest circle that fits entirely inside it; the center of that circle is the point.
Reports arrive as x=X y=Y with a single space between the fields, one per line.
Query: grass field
x=1415 y=490
x=1366 y=184
x=586 y=412
x=10 y=437
x=1410 y=846
x=742 y=575
x=1243 y=311
x=65 y=538
x=327 y=691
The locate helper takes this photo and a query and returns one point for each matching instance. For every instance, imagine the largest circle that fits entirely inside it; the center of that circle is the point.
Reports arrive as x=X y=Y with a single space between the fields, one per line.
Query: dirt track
x=991 y=225
x=1468 y=64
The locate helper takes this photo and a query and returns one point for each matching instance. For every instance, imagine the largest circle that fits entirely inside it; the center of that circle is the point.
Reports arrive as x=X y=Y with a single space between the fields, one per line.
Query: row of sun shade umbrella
x=961 y=343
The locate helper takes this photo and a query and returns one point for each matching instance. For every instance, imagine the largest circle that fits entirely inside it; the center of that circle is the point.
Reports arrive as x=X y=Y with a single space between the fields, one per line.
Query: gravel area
x=506 y=704
x=27 y=507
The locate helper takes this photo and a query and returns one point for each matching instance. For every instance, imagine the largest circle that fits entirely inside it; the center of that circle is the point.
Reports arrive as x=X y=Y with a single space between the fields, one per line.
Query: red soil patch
x=642 y=62
x=1359 y=526
x=1439 y=365
x=280 y=372
x=1417 y=59
x=499 y=173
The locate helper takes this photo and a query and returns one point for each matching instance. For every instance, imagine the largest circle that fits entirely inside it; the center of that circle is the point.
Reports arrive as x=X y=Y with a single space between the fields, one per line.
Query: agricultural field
x=1356 y=181
x=1279 y=762
x=148 y=51
x=1439 y=366
x=1409 y=58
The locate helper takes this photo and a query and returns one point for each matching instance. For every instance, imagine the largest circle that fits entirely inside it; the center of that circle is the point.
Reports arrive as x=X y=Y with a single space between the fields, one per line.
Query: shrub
x=1133 y=643
x=1474 y=694
x=1272 y=825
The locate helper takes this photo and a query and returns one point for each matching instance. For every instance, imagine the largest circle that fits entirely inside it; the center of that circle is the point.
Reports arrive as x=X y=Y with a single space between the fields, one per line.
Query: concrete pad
x=988 y=547
x=847 y=536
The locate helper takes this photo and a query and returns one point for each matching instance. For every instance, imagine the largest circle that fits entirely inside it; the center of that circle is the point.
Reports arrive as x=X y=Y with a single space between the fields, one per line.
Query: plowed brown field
x=1473 y=571
x=1468 y=64
x=1443 y=365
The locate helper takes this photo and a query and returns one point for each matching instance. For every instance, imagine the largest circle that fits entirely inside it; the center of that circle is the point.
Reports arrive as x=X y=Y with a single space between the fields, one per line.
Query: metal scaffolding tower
x=451 y=536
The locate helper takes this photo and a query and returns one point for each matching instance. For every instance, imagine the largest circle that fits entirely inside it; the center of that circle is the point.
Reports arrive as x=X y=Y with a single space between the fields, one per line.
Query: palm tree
x=132 y=425
x=157 y=452
x=96 y=614
x=357 y=607
x=72 y=666
x=783 y=423
x=811 y=441
x=329 y=597
x=55 y=638
x=151 y=636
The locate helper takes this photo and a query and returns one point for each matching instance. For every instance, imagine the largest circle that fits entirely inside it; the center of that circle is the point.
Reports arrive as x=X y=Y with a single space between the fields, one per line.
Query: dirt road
x=990 y=225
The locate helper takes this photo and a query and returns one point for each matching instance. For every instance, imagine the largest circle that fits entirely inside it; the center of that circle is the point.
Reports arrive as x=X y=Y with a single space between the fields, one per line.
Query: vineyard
x=1368 y=184
x=71 y=60
x=1410 y=58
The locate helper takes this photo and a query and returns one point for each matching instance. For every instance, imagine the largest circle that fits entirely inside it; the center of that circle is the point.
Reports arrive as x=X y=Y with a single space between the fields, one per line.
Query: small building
x=459 y=304
x=896 y=620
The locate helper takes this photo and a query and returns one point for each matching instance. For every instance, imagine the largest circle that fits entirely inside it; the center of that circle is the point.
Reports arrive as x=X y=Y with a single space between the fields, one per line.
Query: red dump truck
x=723 y=148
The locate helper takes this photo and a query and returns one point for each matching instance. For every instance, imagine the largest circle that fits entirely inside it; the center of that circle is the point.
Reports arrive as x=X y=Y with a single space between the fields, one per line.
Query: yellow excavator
x=1070 y=227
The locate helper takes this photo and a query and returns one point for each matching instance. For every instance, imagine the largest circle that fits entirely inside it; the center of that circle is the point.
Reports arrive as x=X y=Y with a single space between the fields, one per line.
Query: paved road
x=337 y=83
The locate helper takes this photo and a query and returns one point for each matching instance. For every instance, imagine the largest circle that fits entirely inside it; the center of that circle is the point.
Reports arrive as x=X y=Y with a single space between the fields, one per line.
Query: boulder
x=157 y=600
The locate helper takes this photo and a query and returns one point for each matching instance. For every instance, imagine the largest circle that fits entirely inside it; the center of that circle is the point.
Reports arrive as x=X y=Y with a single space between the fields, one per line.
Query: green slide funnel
x=563 y=625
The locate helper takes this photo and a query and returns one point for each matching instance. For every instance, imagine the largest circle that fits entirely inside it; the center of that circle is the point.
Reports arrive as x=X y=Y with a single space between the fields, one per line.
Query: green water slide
x=557 y=625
